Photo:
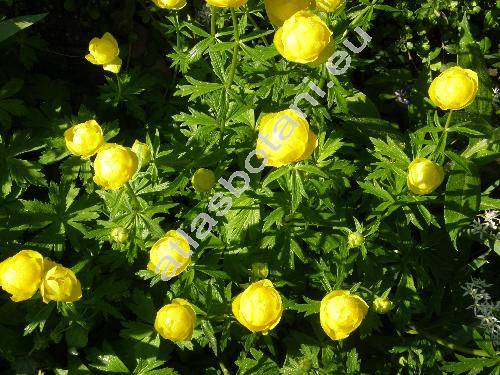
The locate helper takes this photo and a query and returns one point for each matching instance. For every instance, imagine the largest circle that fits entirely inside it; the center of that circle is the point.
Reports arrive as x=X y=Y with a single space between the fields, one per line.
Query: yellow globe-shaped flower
x=284 y=138
x=279 y=11
x=203 y=180
x=84 y=139
x=341 y=313
x=382 y=305
x=21 y=274
x=304 y=38
x=59 y=284
x=176 y=320
x=142 y=151
x=329 y=6
x=226 y=3
x=114 y=166
x=170 y=4
x=170 y=255
x=104 y=51
x=454 y=89
x=259 y=307
x=424 y=176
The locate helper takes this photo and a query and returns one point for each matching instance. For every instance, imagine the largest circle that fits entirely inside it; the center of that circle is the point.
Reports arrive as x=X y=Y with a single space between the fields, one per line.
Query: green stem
x=448 y=344
x=213 y=21
x=132 y=194
x=442 y=139
x=119 y=84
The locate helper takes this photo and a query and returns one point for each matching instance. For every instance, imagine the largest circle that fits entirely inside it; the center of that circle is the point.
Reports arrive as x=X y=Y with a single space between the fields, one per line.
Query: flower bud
x=260 y=270
x=382 y=305
x=341 y=313
x=424 y=176
x=355 y=239
x=454 y=89
x=259 y=307
x=143 y=152
x=84 y=139
x=203 y=180
x=176 y=320
x=170 y=255
x=21 y=274
x=226 y=3
x=329 y=6
x=59 y=284
x=279 y=11
x=284 y=138
x=304 y=38
x=119 y=234
x=170 y=4
x=104 y=51
x=114 y=166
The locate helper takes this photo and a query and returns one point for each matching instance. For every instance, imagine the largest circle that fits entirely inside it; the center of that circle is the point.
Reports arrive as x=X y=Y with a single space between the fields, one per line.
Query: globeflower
x=59 y=284
x=279 y=11
x=142 y=151
x=104 y=51
x=21 y=274
x=226 y=3
x=114 y=166
x=84 y=139
x=284 y=138
x=424 y=176
x=454 y=89
x=341 y=313
x=203 y=180
x=259 y=307
x=170 y=4
x=304 y=38
x=170 y=255
x=176 y=320
x=382 y=305
x=329 y=6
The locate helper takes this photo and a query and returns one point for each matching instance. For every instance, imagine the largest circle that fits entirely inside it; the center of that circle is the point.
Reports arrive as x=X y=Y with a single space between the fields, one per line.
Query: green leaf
x=14 y=25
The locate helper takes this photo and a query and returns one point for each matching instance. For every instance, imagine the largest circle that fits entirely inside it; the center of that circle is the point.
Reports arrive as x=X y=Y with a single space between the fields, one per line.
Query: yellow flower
x=176 y=320
x=284 y=138
x=114 y=166
x=170 y=4
x=59 y=284
x=21 y=274
x=170 y=255
x=424 y=176
x=329 y=6
x=304 y=38
x=258 y=307
x=279 y=11
x=142 y=151
x=341 y=313
x=203 y=180
x=454 y=89
x=226 y=3
x=104 y=51
x=84 y=139
x=382 y=305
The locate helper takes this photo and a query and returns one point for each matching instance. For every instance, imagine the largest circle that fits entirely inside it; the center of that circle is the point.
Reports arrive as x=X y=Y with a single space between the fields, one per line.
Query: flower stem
x=213 y=21
x=442 y=139
x=119 y=84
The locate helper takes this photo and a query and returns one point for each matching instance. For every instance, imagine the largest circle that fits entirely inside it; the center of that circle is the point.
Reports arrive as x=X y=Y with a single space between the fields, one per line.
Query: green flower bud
x=203 y=180
x=119 y=235
x=142 y=151
x=260 y=270
x=355 y=239
x=382 y=305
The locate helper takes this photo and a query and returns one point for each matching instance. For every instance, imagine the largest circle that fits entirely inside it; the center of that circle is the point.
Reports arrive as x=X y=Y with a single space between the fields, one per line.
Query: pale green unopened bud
x=260 y=270
x=203 y=180
x=142 y=151
x=355 y=239
x=382 y=305
x=119 y=235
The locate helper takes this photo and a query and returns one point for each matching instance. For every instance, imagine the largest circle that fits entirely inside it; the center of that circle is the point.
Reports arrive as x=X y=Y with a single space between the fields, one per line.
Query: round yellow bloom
x=284 y=138
x=259 y=307
x=203 y=180
x=424 y=176
x=226 y=3
x=304 y=38
x=329 y=6
x=454 y=89
x=104 y=51
x=170 y=255
x=341 y=313
x=114 y=166
x=176 y=320
x=84 y=139
x=382 y=305
x=59 y=284
x=170 y=4
x=142 y=151
x=21 y=274
x=279 y=11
